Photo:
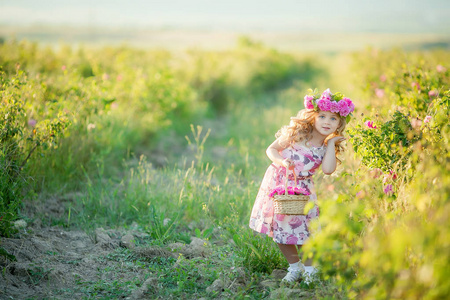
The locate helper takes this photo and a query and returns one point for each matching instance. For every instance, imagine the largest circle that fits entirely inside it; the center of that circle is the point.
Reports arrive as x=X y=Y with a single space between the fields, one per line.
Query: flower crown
x=335 y=103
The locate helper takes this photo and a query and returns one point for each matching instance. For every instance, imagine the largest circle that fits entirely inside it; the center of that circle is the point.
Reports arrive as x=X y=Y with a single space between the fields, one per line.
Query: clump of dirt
x=58 y=263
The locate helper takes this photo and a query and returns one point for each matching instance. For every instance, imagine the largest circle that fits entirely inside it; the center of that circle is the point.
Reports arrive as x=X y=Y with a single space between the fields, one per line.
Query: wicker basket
x=290 y=204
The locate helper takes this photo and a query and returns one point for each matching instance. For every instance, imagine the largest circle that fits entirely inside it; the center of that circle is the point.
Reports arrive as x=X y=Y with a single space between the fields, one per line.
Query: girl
x=312 y=138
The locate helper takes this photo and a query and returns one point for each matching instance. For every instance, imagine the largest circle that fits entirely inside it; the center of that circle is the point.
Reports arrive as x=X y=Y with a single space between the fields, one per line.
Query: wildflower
x=433 y=93
x=393 y=175
x=330 y=187
x=388 y=190
x=105 y=76
x=379 y=93
x=114 y=105
x=63 y=67
x=32 y=122
x=119 y=77
x=370 y=124
x=427 y=119
x=383 y=78
x=90 y=126
x=440 y=68
x=415 y=85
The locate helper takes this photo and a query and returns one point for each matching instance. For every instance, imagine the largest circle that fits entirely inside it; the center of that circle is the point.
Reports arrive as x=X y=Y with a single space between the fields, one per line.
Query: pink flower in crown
x=349 y=104
x=345 y=111
x=343 y=107
x=334 y=107
x=324 y=104
x=326 y=94
x=308 y=102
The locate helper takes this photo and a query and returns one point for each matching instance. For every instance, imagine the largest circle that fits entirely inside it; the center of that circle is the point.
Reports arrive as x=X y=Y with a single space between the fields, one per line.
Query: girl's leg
x=290 y=252
x=307 y=262
x=295 y=268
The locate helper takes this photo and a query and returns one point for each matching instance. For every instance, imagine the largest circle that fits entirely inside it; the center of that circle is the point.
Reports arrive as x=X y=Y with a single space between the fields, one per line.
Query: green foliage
x=387 y=146
x=20 y=136
x=259 y=252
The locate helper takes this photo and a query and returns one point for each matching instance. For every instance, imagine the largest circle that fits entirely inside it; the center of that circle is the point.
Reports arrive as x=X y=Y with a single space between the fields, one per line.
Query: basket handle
x=286 y=182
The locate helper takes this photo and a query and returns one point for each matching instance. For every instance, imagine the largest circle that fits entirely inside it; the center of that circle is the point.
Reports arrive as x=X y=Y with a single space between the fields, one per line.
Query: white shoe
x=309 y=274
x=292 y=276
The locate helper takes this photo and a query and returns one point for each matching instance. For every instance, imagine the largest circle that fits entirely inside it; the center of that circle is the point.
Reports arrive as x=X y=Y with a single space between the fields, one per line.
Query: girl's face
x=326 y=123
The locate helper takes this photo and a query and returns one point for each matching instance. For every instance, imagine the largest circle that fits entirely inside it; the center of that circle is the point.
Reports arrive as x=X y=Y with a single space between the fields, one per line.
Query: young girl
x=312 y=138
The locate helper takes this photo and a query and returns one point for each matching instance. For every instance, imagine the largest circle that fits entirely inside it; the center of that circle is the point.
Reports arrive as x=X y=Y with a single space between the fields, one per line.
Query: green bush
x=20 y=136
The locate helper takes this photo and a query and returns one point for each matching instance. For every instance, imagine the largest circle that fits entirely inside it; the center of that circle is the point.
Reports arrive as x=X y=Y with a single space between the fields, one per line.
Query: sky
x=404 y=16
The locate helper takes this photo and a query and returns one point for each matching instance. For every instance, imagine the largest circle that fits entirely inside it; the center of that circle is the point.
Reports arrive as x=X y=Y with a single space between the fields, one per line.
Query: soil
x=59 y=263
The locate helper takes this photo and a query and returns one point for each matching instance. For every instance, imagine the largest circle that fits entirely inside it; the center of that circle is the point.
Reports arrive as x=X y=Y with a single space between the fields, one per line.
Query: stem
x=26 y=159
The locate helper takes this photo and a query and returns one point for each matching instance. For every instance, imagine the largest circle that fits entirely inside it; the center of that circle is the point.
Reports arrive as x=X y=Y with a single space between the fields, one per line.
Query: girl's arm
x=273 y=152
x=329 y=160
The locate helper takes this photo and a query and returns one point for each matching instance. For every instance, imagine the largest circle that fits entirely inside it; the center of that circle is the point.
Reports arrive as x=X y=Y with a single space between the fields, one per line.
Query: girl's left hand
x=336 y=139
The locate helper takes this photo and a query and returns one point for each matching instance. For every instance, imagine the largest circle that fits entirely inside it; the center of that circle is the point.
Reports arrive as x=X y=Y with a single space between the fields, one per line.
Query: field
x=131 y=173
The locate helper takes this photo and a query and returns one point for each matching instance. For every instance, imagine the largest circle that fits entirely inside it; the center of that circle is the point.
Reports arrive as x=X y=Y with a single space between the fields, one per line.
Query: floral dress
x=288 y=229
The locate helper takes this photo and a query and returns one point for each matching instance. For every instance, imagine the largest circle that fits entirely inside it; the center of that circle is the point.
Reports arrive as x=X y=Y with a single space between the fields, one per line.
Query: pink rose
x=308 y=102
x=350 y=104
x=323 y=104
x=370 y=124
x=344 y=110
x=334 y=107
x=379 y=93
x=326 y=94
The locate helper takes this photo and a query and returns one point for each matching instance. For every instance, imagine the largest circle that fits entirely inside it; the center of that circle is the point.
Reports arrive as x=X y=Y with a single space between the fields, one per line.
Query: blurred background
x=295 y=25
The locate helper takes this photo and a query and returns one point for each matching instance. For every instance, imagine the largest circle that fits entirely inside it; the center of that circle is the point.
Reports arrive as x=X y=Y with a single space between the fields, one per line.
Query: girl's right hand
x=288 y=163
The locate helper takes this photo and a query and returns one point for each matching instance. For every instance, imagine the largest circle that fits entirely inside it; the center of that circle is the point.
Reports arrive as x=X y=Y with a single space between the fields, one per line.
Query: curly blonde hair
x=301 y=127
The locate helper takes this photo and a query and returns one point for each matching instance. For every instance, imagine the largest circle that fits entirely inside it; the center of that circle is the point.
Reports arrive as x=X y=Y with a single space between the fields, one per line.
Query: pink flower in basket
x=280 y=190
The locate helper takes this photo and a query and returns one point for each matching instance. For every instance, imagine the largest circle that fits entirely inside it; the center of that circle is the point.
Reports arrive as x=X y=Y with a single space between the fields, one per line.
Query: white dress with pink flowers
x=288 y=229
